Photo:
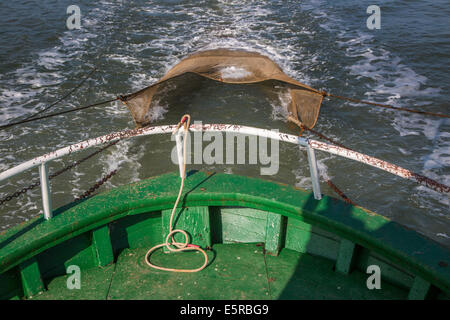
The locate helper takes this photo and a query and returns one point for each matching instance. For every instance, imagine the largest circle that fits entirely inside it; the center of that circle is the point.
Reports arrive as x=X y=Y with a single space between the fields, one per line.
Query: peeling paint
x=381 y=164
x=317 y=145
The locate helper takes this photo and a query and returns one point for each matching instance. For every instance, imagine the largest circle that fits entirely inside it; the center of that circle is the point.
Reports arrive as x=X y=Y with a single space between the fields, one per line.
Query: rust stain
x=386 y=166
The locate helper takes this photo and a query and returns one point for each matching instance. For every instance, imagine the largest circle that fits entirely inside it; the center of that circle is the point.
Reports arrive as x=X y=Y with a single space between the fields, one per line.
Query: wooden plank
x=303 y=237
x=273 y=239
x=194 y=220
x=245 y=226
x=101 y=242
x=31 y=278
x=419 y=289
x=346 y=256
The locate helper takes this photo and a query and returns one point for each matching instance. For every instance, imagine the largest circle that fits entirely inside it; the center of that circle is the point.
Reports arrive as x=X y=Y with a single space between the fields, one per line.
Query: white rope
x=170 y=241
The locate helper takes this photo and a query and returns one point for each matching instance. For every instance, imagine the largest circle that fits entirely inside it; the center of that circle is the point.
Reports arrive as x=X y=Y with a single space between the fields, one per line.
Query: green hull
x=267 y=241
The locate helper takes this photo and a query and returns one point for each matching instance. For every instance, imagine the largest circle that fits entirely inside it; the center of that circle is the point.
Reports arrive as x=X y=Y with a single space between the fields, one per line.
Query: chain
x=53 y=175
x=318 y=134
x=339 y=192
x=20 y=192
x=97 y=185
x=70 y=166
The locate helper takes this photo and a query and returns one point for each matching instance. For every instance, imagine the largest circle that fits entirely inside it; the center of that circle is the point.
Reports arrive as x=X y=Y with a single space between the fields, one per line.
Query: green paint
x=295 y=275
x=242 y=225
x=95 y=285
x=419 y=289
x=193 y=220
x=345 y=257
x=31 y=278
x=102 y=246
x=238 y=272
x=137 y=231
x=11 y=285
x=273 y=233
x=304 y=237
x=240 y=208
x=76 y=251
x=390 y=272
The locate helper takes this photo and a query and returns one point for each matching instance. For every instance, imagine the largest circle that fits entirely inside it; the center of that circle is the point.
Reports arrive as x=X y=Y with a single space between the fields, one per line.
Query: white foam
x=120 y=157
x=234 y=73
x=280 y=108
x=156 y=112
x=391 y=81
x=33 y=85
x=125 y=59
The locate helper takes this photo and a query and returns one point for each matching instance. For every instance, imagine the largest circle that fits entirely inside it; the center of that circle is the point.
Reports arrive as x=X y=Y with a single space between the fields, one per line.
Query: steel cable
x=326 y=94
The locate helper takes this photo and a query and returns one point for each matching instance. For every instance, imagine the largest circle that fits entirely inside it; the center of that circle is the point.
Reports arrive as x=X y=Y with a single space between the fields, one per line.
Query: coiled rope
x=170 y=241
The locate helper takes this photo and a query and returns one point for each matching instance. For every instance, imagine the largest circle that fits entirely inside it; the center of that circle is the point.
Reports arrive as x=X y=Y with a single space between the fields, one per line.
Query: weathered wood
x=346 y=255
x=304 y=237
x=243 y=225
x=314 y=227
x=419 y=289
x=31 y=278
x=274 y=230
x=194 y=220
x=101 y=242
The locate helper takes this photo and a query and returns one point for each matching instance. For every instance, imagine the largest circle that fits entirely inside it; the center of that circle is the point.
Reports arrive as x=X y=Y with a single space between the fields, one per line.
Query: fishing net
x=231 y=66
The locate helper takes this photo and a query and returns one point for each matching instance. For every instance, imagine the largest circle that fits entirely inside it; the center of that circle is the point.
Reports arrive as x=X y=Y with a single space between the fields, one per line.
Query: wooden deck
x=236 y=272
x=267 y=240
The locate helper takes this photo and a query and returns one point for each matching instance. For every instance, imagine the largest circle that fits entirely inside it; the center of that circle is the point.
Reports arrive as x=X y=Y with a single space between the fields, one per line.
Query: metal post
x=314 y=172
x=45 y=190
x=179 y=139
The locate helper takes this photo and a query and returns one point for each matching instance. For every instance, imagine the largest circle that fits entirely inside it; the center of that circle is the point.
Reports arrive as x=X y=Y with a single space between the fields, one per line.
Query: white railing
x=310 y=145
